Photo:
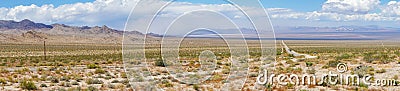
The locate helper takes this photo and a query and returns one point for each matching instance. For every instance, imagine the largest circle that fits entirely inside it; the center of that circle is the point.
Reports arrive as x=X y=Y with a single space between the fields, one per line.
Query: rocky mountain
x=24 y=24
x=27 y=31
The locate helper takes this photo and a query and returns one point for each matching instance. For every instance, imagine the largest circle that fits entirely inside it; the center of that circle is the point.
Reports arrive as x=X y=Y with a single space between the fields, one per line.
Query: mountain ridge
x=27 y=31
x=24 y=24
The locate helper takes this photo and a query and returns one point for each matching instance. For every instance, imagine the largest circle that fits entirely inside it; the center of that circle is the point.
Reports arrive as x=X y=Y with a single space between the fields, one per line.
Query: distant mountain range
x=352 y=28
x=27 y=31
x=24 y=24
x=340 y=32
x=370 y=32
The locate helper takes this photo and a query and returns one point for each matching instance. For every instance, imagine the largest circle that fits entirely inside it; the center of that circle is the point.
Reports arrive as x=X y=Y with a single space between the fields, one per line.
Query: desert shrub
x=167 y=83
x=3 y=64
x=381 y=57
x=93 y=66
x=309 y=64
x=159 y=62
x=216 y=77
x=225 y=71
x=268 y=86
x=325 y=67
x=43 y=85
x=381 y=71
x=290 y=86
x=65 y=84
x=3 y=81
x=99 y=76
x=297 y=70
x=397 y=82
x=115 y=81
x=333 y=63
x=28 y=85
x=196 y=87
x=253 y=75
x=363 y=85
x=343 y=56
x=125 y=82
x=107 y=77
x=35 y=76
x=291 y=55
x=361 y=71
x=108 y=74
x=123 y=75
x=74 y=83
x=311 y=71
x=289 y=62
x=65 y=78
x=278 y=53
x=75 y=89
x=78 y=78
x=3 y=70
x=111 y=86
x=119 y=86
x=220 y=63
x=54 y=80
x=94 y=81
x=91 y=88
x=99 y=71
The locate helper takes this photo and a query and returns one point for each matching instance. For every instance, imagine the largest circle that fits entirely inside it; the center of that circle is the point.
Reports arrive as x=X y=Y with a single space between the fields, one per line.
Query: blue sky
x=282 y=12
x=303 y=5
x=298 y=5
x=13 y=3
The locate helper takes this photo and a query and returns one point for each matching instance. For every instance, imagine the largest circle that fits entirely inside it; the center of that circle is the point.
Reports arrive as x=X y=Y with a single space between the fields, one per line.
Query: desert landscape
x=99 y=66
x=377 y=58
x=199 y=45
x=91 y=58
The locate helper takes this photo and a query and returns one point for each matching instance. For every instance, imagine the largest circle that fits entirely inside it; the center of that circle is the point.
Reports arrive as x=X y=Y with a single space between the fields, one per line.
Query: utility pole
x=44 y=50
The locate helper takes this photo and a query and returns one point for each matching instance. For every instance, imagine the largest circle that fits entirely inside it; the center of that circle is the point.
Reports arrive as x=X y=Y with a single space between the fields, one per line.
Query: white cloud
x=350 y=6
x=115 y=12
x=392 y=9
x=213 y=21
x=108 y=12
x=344 y=10
x=285 y=13
x=3 y=12
x=32 y=12
x=91 y=13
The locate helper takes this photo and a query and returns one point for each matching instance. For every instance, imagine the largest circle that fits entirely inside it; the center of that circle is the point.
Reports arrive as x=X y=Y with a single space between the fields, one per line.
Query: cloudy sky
x=114 y=13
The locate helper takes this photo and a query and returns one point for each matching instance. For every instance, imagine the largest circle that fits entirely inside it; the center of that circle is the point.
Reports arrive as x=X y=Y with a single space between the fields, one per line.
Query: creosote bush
x=28 y=85
x=94 y=81
x=99 y=71
x=159 y=62
x=93 y=66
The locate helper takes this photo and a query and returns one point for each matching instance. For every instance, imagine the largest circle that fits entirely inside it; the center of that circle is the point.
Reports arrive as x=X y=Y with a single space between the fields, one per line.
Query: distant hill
x=340 y=32
x=351 y=28
x=351 y=32
x=27 y=31
x=24 y=24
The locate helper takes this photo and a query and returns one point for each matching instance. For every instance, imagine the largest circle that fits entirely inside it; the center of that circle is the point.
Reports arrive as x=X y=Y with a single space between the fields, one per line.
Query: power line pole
x=44 y=50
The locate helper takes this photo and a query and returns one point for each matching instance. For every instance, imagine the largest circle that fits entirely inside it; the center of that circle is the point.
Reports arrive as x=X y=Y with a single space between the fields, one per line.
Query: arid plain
x=99 y=66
